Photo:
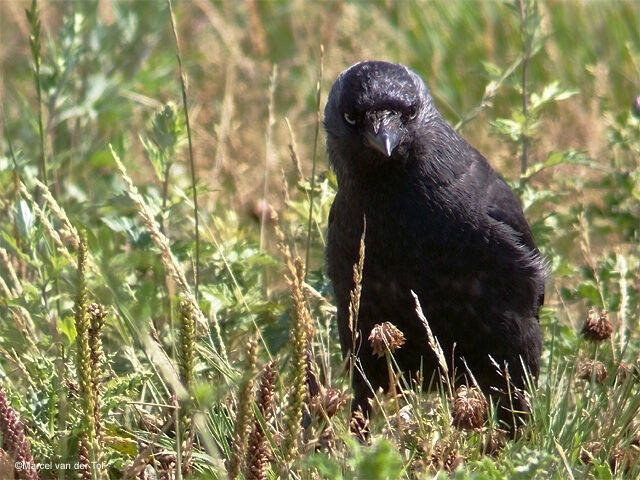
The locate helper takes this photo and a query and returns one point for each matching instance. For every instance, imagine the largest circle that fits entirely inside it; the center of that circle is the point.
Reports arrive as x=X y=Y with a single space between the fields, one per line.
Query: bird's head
x=372 y=111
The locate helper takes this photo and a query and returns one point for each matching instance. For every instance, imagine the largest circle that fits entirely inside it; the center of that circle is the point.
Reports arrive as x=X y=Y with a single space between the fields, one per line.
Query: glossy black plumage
x=439 y=221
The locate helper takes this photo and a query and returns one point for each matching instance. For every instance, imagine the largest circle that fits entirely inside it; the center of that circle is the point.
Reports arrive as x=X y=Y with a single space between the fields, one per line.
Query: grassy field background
x=172 y=377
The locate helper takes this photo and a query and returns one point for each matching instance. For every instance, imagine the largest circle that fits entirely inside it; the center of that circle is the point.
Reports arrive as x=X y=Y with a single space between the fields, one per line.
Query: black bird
x=440 y=222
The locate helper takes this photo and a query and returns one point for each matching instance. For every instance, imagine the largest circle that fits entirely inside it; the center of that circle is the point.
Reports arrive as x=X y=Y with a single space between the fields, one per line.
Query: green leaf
x=380 y=462
x=24 y=218
x=67 y=327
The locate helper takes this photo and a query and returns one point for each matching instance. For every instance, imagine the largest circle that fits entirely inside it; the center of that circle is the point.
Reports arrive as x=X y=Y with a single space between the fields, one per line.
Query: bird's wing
x=504 y=206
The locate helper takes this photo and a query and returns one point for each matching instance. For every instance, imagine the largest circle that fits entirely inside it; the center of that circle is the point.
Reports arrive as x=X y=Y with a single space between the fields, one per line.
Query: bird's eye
x=413 y=114
x=349 y=119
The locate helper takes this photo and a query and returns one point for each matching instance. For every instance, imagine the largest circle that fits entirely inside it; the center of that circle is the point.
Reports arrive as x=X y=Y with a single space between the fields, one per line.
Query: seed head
x=469 y=408
x=624 y=369
x=589 y=451
x=359 y=425
x=592 y=368
x=329 y=401
x=445 y=457
x=620 y=460
x=496 y=441
x=385 y=336
x=597 y=327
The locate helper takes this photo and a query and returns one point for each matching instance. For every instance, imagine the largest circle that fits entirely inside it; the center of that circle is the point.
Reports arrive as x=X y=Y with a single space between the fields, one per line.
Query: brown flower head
x=359 y=425
x=620 y=460
x=445 y=457
x=588 y=369
x=589 y=451
x=597 y=327
x=329 y=401
x=624 y=369
x=495 y=442
x=469 y=408
x=385 y=335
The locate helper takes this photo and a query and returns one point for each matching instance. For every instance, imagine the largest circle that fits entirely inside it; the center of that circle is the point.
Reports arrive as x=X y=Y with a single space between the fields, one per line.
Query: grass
x=181 y=209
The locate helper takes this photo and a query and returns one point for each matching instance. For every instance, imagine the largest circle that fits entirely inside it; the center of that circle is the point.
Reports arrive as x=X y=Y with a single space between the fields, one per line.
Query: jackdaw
x=439 y=222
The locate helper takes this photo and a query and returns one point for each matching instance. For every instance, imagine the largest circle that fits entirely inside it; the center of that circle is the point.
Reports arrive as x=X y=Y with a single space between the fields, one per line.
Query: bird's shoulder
x=497 y=199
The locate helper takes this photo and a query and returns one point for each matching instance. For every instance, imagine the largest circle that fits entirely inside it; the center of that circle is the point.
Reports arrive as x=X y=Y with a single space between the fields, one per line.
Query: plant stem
x=33 y=15
x=525 y=99
x=183 y=86
x=313 y=161
x=265 y=185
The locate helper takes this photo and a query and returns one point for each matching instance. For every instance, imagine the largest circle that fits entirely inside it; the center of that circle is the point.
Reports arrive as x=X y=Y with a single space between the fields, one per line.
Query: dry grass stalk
x=47 y=225
x=435 y=345
x=3 y=286
x=302 y=324
x=68 y=231
x=293 y=151
x=8 y=265
x=174 y=269
x=268 y=153
x=622 y=268
x=137 y=468
x=354 y=301
x=194 y=180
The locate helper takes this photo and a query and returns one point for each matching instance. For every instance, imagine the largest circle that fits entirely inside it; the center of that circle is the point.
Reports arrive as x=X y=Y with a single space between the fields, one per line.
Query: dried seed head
x=624 y=370
x=385 y=336
x=496 y=441
x=445 y=457
x=597 y=327
x=14 y=440
x=588 y=369
x=329 y=401
x=589 y=451
x=469 y=408
x=259 y=450
x=97 y=310
x=359 y=425
x=326 y=441
x=84 y=460
x=6 y=465
x=620 y=460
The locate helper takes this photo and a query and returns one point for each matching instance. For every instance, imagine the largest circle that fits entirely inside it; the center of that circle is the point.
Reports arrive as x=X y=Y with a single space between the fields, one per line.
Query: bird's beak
x=382 y=136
